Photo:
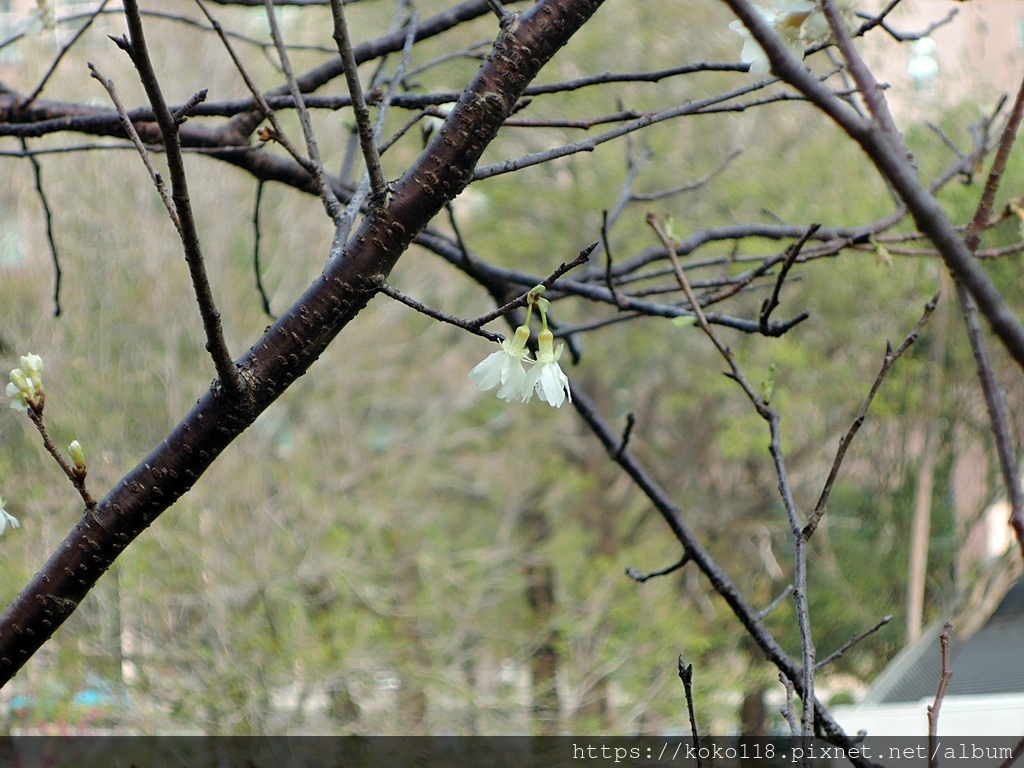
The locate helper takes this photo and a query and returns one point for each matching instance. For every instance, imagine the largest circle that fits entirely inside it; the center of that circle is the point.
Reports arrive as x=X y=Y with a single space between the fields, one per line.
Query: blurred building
x=976 y=57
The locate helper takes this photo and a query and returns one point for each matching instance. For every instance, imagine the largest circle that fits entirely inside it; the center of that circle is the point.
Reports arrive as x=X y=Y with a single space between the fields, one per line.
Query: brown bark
x=295 y=341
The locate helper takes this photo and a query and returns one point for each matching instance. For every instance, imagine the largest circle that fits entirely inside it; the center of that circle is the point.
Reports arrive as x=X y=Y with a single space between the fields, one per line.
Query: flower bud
x=77 y=455
x=33 y=366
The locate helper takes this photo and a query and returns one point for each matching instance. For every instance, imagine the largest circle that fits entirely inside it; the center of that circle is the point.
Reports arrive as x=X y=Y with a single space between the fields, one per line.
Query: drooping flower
x=752 y=53
x=6 y=518
x=546 y=377
x=800 y=24
x=805 y=21
x=505 y=367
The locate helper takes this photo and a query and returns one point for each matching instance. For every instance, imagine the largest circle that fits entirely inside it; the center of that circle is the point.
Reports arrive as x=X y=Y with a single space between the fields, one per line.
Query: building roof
x=988 y=662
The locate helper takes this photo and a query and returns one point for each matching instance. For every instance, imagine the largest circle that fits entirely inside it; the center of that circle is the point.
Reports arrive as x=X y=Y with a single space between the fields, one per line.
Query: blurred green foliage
x=355 y=562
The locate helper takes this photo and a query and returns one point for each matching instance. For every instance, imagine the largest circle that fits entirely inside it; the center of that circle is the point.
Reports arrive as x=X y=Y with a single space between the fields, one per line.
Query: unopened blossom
x=546 y=376
x=32 y=365
x=26 y=387
x=505 y=367
x=77 y=455
x=6 y=518
x=21 y=390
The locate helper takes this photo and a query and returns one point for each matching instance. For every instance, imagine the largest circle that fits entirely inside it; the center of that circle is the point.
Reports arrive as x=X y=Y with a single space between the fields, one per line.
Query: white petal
x=512 y=387
x=488 y=372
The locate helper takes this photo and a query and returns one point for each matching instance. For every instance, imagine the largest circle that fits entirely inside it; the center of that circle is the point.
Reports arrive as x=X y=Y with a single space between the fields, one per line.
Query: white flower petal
x=7 y=518
x=512 y=387
x=488 y=372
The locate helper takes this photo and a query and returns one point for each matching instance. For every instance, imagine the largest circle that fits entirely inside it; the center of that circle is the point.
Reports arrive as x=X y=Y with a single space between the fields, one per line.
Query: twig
x=626 y=434
x=323 y=186
x=378 y=185
x=773 y=301
x=891 y=356
x=933 y=709
x=474 y=326
x=457 y=231
x=689 y=187
x=852 y=642
x=278 y=135
x=230 y=380
x=770 y=608
x=787 y=711
x=902 y=37
x=608 y=280
x=640 y=577
x=973 y=237
x=376 y=200
x=444 y=317
x=257 y=236
x=77 y=478
x=499 y=10
x=37 y=173
x=589 y=144
x=133 y=135
x=995 y=400
x=686 y=676
x=785 y=491
x=521 y=301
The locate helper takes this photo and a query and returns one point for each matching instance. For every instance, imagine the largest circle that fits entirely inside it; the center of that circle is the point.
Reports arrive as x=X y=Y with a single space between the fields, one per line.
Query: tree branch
x=216 y=345
x=297 y=339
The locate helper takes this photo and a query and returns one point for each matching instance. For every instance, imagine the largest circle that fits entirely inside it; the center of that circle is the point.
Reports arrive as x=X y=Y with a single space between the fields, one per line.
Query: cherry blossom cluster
x=520 y=375
x=26 y=387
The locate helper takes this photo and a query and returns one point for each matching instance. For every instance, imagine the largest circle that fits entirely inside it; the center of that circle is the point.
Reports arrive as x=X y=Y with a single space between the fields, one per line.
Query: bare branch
x=378 y=185
x=444 y=317
x=257 y=236
x=37 y=174
x=770 y=608
x=853 y=641
x=890 y=156
x=547 y=282
x=640 y=577
x=327 y=195
x=690 y=186
x=940 y=694
x=217 y=346
x=773 y=301
x=686 y=676
x=133 y=135
x=891 y=356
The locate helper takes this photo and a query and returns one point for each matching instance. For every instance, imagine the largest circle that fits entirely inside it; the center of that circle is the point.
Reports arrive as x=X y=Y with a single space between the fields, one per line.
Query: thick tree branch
x=297 y=339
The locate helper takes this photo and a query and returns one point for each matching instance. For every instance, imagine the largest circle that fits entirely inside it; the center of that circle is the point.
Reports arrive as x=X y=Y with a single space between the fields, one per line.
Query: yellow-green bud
x=77 y=455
